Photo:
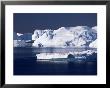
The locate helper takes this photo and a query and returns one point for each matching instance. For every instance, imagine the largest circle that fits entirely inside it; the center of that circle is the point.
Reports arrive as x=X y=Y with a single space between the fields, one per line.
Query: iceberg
x=19 y=34
x=37 y=34
x=51 y=55
x=93 y=44
x=65 y=36
x=79 y=36
x=75 y=55
x=20 y=40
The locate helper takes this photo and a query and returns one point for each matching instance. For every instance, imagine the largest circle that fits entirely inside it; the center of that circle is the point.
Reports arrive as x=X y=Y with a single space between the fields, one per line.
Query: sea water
x=26 y=63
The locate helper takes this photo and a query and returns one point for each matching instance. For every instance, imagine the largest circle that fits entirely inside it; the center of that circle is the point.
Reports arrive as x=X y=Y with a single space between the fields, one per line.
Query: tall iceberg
x=65 y=36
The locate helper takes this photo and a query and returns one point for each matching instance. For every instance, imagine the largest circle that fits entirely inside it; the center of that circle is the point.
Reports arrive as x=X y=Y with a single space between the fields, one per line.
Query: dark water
x=25 y=64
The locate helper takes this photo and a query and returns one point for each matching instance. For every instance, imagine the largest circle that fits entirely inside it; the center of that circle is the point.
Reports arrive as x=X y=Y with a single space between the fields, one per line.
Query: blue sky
x=28 y=22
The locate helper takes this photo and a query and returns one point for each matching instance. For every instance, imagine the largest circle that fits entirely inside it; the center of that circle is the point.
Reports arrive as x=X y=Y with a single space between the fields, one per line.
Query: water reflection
x=25 y=63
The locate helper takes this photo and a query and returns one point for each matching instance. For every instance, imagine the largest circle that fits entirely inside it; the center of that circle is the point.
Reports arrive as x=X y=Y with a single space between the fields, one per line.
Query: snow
x=93 y=44
x=94 y=28
x=78 y=36
x=51 y=55
x=65 y=55
x=65 y=36
x=60 y=36
x=37 y=34
x=19 y=34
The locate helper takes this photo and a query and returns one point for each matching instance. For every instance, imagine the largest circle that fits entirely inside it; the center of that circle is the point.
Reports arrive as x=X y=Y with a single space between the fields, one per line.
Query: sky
x=28 y=22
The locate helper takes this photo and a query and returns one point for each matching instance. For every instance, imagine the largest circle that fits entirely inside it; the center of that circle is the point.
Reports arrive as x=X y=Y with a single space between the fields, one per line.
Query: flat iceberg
x=75 y=54
x=51 y=55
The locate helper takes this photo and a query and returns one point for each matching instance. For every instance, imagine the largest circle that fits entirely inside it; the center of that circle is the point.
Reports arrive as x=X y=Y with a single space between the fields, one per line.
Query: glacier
x=65 y=36
x=93 y=44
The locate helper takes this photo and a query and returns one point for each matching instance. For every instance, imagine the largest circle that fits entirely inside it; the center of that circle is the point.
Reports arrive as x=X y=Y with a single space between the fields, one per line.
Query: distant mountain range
x=79 y=36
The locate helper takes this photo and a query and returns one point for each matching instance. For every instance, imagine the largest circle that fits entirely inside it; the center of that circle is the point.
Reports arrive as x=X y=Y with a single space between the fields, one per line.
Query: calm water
x=25 y=63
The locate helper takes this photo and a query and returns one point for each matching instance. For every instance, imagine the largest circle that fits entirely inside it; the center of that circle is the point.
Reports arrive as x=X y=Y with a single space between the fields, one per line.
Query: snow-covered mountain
x=65 y=37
